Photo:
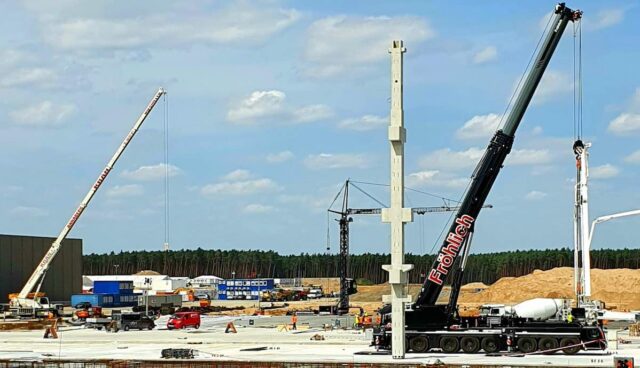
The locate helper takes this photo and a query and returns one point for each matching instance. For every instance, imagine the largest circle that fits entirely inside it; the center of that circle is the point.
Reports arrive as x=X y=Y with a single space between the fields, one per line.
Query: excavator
x=30 y=303
x=437 y=326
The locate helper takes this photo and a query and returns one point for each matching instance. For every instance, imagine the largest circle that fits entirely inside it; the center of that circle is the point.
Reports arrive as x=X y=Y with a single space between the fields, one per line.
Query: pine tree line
x=486 y=268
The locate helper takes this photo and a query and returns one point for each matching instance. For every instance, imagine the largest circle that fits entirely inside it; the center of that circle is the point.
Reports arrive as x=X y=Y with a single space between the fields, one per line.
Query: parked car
x=82 y=305
x=127 y=321
x=203 y=297
x=183 y=320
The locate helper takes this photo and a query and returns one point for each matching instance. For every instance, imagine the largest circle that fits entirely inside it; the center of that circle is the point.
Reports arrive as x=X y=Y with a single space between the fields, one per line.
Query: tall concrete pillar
x=397 y=215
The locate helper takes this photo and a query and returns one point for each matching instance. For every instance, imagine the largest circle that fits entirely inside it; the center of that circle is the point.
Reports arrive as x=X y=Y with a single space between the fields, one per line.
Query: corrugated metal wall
x=19 y=256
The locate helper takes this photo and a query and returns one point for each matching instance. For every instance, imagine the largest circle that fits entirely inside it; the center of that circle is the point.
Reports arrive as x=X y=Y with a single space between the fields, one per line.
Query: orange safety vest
x=294 y=319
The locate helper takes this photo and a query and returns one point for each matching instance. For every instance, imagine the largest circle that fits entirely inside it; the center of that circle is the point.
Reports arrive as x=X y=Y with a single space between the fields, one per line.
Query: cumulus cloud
x=553 y=84
x=336 y=161
x=337 y=44
x=633 y=158
x=485 y=55
x=75 y=27
x=270 y=105
x=435 y=178
x=451 y=160
x=479 y=126
x=535 y=195
x=239 y=183
x=129 y=190
x=44 y=114
x=240 y=188
x=28 y=77
x=625 y=123
x=605 y=171
x=529 y=157
x=276 y=158
x=151 y=172
x=28 y=211
x=606 y=18
x=256 y=208
x=239 y=174
x=364 y=123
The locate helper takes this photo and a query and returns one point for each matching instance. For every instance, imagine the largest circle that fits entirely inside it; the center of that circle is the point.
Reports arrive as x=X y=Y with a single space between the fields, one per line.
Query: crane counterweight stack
x=21 y=303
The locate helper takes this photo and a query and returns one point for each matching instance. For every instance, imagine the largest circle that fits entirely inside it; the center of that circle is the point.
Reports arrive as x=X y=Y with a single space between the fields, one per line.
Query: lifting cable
x=166 y=172
x=577 y=81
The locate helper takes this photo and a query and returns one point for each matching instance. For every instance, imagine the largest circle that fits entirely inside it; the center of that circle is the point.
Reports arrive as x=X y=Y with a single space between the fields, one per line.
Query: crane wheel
x=419 y=344
x=490 y=345
x=449 y=344
x=548 y=343
x=570 y=341
x=470 y=344
x=527 y=345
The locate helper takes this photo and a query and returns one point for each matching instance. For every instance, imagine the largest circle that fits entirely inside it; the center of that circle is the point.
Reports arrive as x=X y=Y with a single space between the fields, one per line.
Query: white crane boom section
x=40 y=271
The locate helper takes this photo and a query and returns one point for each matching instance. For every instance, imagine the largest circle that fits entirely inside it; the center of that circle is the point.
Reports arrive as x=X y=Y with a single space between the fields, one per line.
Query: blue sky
x=274 y=104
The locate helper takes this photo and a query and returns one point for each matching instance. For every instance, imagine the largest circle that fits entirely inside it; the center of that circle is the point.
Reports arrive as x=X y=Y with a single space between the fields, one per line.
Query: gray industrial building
x=19 y=256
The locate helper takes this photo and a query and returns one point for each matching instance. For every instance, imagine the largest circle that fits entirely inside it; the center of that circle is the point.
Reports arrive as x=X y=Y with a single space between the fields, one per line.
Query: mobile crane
x=429 y=325
x=347 y=284
x=28 y=304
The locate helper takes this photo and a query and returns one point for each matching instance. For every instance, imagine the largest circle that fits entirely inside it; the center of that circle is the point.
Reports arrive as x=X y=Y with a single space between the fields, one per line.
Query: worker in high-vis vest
x=294 y=321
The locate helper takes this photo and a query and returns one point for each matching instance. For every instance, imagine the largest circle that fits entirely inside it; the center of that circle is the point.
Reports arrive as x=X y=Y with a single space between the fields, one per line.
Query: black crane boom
x=489 y=166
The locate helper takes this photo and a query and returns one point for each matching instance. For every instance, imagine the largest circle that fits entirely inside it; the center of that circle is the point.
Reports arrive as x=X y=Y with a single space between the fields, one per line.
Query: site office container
x=96 y=300
x=113 y=287
x=243 y=288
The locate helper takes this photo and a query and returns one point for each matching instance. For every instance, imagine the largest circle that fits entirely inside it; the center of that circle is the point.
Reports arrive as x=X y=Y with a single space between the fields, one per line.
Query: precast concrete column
x=397 y=215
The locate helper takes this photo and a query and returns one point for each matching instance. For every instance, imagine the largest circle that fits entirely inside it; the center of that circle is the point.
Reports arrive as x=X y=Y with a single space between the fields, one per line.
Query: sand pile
x=618 y=288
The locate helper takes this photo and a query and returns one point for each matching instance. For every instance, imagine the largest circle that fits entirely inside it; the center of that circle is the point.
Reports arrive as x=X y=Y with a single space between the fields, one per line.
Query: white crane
x=583 y=235
x=21 y=303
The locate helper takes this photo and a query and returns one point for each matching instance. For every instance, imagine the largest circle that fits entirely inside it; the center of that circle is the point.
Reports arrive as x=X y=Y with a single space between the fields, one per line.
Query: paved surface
x=278 y=346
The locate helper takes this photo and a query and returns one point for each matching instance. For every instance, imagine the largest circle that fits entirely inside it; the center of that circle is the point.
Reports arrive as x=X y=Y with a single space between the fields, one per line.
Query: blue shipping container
x=96 y=300
x=113 y=287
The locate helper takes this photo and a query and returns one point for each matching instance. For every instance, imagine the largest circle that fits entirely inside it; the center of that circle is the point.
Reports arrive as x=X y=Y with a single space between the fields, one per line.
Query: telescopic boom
x=489 y=166
x=38 y=275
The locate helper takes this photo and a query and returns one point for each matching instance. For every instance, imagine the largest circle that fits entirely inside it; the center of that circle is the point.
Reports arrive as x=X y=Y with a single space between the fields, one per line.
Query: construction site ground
x=262 y=344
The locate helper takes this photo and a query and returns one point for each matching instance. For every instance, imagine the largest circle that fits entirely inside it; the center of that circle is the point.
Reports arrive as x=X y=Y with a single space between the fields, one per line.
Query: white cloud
x=452 y=160
x=485 y=55
x=276 y=158
x=42 y=114
x=151 y=172
x=625 y=123
x=27 y=211
x=240 y=188
x=311 y=113
x=605 y=171
x=236 y=175
x=479 y=126
x=256 y=208
x=535 y=195
x=262 y=106
x=435 y=178
x=27 y=77
x=633 y=158
x=553 y=84
x=74 y=27
x=338 y=44
x=364 y=123
x=606 y=18
x=259 y=105
x=529 y=157
x=336 y=161
x=129 y=190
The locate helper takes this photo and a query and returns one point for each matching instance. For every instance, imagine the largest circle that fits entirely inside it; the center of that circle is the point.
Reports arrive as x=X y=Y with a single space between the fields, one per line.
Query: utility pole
x=397 y=215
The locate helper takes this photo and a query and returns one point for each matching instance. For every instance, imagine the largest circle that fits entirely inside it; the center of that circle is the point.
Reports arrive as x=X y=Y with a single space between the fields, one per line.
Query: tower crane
x=347 y=283
x=26 y=304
